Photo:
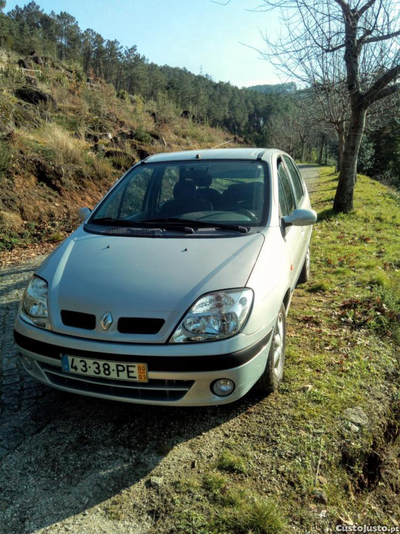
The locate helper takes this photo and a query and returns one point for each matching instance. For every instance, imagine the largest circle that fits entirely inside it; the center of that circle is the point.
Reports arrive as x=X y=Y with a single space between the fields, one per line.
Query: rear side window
x=296 y=180
x=287 y=201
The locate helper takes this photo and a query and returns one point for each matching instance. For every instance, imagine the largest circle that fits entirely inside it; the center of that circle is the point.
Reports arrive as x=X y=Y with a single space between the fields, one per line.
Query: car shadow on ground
x=87 y=451
x=62 y=454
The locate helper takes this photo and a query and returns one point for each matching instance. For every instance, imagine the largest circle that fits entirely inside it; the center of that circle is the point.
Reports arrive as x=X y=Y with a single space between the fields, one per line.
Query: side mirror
x=84 y=213
x=300 y=218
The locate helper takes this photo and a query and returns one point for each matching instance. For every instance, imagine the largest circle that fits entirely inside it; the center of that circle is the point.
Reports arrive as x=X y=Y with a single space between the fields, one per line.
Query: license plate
x=135 y=372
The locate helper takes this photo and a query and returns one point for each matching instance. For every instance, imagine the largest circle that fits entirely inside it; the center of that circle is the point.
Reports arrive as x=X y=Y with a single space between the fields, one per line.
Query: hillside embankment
x=66 y=138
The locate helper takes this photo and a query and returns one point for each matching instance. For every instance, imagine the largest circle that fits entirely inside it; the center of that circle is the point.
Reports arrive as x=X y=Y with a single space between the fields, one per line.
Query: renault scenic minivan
x=175 y=288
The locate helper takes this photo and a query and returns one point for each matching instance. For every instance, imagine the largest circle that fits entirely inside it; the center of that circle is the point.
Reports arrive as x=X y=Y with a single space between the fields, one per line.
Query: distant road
x=310 y=174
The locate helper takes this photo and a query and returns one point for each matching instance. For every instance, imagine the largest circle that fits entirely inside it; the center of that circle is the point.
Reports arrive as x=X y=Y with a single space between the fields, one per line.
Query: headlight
x=34 y=303
x=215 y=316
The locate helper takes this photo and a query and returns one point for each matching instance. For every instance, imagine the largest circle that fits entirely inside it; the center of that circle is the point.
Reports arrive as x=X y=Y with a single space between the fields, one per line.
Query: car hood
x=141 y=277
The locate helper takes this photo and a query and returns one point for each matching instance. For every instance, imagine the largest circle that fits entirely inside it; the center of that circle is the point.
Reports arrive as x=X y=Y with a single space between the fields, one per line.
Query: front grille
x=156 y=390
x=139 y=325
x=86 y=321
x=126 y=325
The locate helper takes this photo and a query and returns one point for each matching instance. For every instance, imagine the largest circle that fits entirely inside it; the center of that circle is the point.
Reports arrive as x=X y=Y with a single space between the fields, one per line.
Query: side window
x=283 y=204
x=133 y=195
x=170 y=178
x=286 y=197
x=296 y=180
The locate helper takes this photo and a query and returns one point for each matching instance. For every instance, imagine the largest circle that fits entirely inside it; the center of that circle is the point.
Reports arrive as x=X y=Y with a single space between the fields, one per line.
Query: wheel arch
x=286 y=299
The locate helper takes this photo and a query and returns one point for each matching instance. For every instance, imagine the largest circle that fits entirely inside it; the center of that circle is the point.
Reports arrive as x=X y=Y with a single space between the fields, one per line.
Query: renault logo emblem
x=106 y=321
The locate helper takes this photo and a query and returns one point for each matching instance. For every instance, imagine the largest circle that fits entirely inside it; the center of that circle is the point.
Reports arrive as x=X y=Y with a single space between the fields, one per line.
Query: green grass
x=222 y=507
x=231 y=463
x=342 y=348
x=358 y=254
x=214 y=483
x=253 y=515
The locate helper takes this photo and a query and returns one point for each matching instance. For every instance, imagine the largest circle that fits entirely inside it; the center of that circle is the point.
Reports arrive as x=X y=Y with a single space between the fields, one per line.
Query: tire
x=306 y=269
x=272 y=376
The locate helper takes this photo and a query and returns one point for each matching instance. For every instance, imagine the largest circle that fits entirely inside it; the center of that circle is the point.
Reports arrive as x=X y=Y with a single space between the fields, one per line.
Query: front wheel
x=272 y=376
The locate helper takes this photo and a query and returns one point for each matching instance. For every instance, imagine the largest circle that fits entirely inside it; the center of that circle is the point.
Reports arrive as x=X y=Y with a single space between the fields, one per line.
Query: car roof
x=213 y=154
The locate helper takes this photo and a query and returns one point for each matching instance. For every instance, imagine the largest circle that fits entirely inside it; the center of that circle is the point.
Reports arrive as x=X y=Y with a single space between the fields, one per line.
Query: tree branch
x=334 y=48
x=381 y=37
x=370 y=31
x=380 y=84
x=388 y=91
x=366 y=7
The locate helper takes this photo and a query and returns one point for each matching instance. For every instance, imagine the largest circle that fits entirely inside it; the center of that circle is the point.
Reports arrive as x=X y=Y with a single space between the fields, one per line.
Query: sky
x=200 y=35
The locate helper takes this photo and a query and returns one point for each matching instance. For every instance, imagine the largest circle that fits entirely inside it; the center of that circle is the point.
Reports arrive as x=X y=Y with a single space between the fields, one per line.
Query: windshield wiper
x=199 y=224
x=110 y=221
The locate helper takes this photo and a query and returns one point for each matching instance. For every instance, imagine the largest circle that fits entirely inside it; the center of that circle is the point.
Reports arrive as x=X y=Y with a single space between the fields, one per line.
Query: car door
x=302 y=201
x=292 y=234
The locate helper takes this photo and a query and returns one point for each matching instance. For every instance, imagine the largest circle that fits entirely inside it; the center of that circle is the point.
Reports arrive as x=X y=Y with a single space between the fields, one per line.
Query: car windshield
x=214 y=192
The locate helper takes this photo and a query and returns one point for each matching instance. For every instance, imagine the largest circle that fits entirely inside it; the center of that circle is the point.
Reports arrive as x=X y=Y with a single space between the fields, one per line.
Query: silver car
x=175 y=289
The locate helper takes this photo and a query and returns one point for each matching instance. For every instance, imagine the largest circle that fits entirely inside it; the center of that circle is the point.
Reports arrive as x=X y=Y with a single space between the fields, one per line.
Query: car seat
x=184 y=201
x=247 y=196
x=203 y=180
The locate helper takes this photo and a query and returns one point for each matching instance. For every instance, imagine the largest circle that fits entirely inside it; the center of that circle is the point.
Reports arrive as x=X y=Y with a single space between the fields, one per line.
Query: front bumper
x=182 y=380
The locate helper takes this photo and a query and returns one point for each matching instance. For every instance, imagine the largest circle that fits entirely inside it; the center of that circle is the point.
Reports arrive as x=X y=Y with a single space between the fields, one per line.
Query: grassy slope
x=49 y=162
x=292 y=462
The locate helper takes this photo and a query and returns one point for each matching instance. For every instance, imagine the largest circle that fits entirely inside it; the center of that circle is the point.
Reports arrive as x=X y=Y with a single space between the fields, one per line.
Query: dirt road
x=64 y=457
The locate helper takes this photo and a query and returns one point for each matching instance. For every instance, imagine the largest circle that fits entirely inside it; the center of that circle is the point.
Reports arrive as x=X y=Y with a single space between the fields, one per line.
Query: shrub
x=142 y=136
x=101 y=167
x=65 y=148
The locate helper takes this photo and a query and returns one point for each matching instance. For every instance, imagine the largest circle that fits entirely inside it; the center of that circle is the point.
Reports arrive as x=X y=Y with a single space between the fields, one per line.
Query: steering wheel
x=252 y=216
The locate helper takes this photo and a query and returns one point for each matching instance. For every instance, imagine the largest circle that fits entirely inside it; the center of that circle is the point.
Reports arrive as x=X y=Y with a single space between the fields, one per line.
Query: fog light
x=27 y=362
x=222 y=387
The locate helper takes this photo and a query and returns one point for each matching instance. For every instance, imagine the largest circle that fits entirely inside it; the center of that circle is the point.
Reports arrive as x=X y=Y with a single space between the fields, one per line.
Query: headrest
x=185 y=189
x=201 y=177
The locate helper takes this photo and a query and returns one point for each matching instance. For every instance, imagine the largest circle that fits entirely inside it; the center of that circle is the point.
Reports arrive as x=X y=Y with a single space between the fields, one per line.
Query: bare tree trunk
x=321 y=149
x=303 y=149
x=347 y=178
x=342 y=141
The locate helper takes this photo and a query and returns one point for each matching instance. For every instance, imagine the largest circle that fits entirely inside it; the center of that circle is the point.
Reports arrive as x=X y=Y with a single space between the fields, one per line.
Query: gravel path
x=18 y=391
x=310 y=174
x=63 y=457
